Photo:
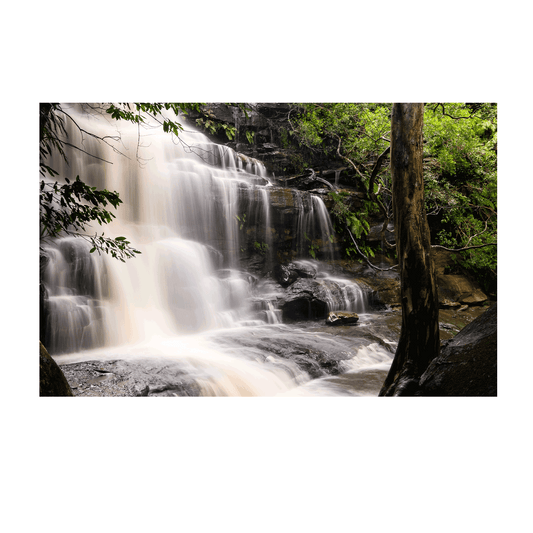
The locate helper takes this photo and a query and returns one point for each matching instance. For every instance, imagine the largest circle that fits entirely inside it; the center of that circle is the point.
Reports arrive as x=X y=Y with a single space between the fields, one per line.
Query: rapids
x=188 y=306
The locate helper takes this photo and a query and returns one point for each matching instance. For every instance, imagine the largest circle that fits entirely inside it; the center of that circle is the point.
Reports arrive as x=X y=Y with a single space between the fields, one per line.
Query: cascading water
x=191 y=207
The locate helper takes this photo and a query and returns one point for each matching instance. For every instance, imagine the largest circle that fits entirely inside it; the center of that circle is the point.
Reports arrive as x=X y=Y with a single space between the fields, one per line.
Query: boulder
x=444 y=303
x=341 y=318
x=374 y=233
x=459 y=288
x=304 y=269
x=467 y=364
x=52 y=381
x=285 y=275
x=306 y=299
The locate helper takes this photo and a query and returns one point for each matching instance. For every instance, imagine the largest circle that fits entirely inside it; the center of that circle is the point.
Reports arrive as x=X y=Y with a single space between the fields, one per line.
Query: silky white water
x=186 y=298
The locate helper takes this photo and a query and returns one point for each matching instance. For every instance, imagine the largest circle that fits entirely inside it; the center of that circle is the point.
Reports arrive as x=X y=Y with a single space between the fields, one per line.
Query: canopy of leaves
x=460 y=173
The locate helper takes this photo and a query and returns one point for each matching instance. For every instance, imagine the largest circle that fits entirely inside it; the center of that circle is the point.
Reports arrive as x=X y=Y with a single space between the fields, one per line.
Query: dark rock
x=374 y=233
x=285 y=275
x=43 y=310
x=467 y=364
x=303 y=269
x=341 y=318
x=307 y=299
x=52 y=382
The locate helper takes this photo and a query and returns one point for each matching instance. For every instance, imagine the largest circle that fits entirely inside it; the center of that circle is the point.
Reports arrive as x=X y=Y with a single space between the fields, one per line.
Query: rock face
x=467 y=364
x=460 y=289
x=52 y=382
x=306 y=299
x=285 y=275
x=341 y=318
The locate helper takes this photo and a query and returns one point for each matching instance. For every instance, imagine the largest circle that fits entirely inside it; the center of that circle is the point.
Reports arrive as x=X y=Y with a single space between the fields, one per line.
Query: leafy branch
x=69 y=209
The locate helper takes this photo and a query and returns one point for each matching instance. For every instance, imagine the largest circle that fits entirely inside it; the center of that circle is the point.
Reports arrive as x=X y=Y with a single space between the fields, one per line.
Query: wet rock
x=215 y=255
x=446 y=304
x=304 y=269
x=307 y=299
x=316 y=360
x=467 y=364
x=341 y=318
x=384 y=287
x=285 y=275
x=230 y=273
x=52 y=382
x=126 y=378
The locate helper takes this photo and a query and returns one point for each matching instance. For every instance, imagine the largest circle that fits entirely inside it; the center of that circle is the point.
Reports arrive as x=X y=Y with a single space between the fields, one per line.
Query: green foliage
x=261 y=247
x=241 y=220
x=284 y=137
x=357 y=223
x=70 y=208
x=214 y=127
x=313 y=246
x=153 y=110
x=460 y=170
x=250 y=136
x=361 y=129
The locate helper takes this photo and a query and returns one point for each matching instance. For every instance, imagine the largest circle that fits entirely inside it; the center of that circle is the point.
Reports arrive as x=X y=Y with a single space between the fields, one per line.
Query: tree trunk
x=419 y=338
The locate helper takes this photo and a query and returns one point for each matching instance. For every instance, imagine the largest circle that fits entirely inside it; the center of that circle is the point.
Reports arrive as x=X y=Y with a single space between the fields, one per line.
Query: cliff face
x=267 y=126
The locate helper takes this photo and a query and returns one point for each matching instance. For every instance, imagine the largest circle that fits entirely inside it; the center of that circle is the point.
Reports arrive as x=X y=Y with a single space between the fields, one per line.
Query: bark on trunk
x=419 y=338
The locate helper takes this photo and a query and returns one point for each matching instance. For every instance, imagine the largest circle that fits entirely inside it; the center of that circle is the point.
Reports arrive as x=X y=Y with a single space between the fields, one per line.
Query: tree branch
x=465 y=248
x=365 y=257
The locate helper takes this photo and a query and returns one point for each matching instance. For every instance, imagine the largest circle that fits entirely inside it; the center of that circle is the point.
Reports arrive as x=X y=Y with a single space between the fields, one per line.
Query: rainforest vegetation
x=459 y=169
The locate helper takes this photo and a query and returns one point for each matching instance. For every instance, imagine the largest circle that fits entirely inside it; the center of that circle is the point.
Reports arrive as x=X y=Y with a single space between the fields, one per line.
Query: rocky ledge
x=125 y=378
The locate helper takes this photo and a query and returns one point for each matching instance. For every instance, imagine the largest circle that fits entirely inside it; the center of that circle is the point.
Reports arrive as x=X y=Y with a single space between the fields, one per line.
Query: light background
x=264 y=464
x=29 y=401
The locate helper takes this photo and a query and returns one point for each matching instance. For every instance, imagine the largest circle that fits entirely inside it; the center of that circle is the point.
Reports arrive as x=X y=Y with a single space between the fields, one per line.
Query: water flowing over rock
x=312 y=299
x=287 y=274
x=341 y=318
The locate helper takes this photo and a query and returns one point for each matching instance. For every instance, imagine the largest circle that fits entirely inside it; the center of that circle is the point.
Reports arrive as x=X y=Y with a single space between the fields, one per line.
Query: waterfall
x=193 y=208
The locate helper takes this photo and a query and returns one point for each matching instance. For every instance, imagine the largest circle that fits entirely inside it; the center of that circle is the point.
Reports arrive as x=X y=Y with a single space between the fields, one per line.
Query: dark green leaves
x=71 y=208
